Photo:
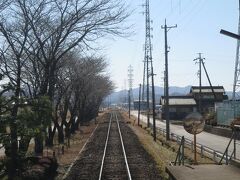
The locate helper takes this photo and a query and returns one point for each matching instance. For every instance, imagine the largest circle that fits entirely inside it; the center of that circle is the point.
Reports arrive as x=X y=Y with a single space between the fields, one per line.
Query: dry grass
x=162 y=151
x=77 y=143
x=162 y=155
x=188 y=153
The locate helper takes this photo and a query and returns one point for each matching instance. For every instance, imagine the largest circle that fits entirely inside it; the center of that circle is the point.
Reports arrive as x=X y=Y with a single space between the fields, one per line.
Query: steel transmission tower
x=237 y=66
x=147 y=60
x=236 y=81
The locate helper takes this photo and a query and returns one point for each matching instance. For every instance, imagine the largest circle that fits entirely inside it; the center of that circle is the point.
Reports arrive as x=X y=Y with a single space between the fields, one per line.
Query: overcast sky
x=199 y=23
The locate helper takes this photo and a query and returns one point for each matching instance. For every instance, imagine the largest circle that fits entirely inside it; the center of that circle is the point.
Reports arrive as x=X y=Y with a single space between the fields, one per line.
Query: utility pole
x=214 y=94
x=130 y=80
x=147 y=59
x=130 y=84
x=125 y=94
x=153 y=104
x=129 y=104
x=199 y=60
x=166 y=105
x=164 y=83
x=139 y=104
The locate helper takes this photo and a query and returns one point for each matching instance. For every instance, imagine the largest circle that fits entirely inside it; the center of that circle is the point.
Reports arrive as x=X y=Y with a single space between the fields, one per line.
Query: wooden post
x=183 y=144
x=195 y=149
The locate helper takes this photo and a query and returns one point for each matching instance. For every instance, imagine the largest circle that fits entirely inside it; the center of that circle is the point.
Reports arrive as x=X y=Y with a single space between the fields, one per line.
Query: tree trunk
x=38 y=148
x=67 y=130
x=13 y=127
x=60 y=135
x=73 y=126
x=23 y=145
x=12 y=166
x=44 y=85
x=50 y=137
x=52 y=82
x=47 y=88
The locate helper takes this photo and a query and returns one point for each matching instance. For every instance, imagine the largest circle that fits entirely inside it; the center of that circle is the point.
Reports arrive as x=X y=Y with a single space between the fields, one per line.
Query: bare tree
x=57 y=27
x=4 y=4
x=14 y=35
x=81 y=88
x=87 y=87
x=35 y=54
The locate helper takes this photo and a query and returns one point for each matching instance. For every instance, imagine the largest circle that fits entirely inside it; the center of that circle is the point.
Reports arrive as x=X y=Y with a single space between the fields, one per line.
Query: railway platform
x=203 y=172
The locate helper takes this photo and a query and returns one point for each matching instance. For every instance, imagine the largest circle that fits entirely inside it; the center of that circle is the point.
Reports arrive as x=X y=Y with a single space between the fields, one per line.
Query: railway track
x=114 y=152
x=114 y=163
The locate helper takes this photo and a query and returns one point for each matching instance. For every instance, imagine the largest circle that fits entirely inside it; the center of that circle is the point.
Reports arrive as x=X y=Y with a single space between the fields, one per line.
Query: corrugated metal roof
x=208 y=90
x=207 y=87
x=180 y=101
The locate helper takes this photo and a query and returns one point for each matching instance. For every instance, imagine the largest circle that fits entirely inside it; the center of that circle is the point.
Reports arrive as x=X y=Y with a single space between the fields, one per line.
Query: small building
x=227 y=111
x=179 y=106
x=207 y=98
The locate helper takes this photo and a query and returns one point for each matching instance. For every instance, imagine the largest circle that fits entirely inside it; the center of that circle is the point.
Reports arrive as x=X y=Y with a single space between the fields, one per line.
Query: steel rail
x=123 y=148
x=105 y=148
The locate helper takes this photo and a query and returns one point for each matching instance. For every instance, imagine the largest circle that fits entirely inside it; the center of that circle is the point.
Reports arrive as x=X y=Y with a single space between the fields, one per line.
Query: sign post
x=194 y=124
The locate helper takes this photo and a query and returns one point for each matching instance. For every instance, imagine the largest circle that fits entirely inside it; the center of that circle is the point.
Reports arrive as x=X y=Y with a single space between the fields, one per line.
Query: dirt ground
x=76 y=144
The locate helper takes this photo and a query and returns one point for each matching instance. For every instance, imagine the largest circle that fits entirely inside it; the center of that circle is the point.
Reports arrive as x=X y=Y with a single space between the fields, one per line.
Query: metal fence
x=202 y=149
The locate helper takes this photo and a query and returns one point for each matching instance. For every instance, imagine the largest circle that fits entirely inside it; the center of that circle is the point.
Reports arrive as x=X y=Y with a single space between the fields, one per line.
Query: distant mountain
x=122 y=96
